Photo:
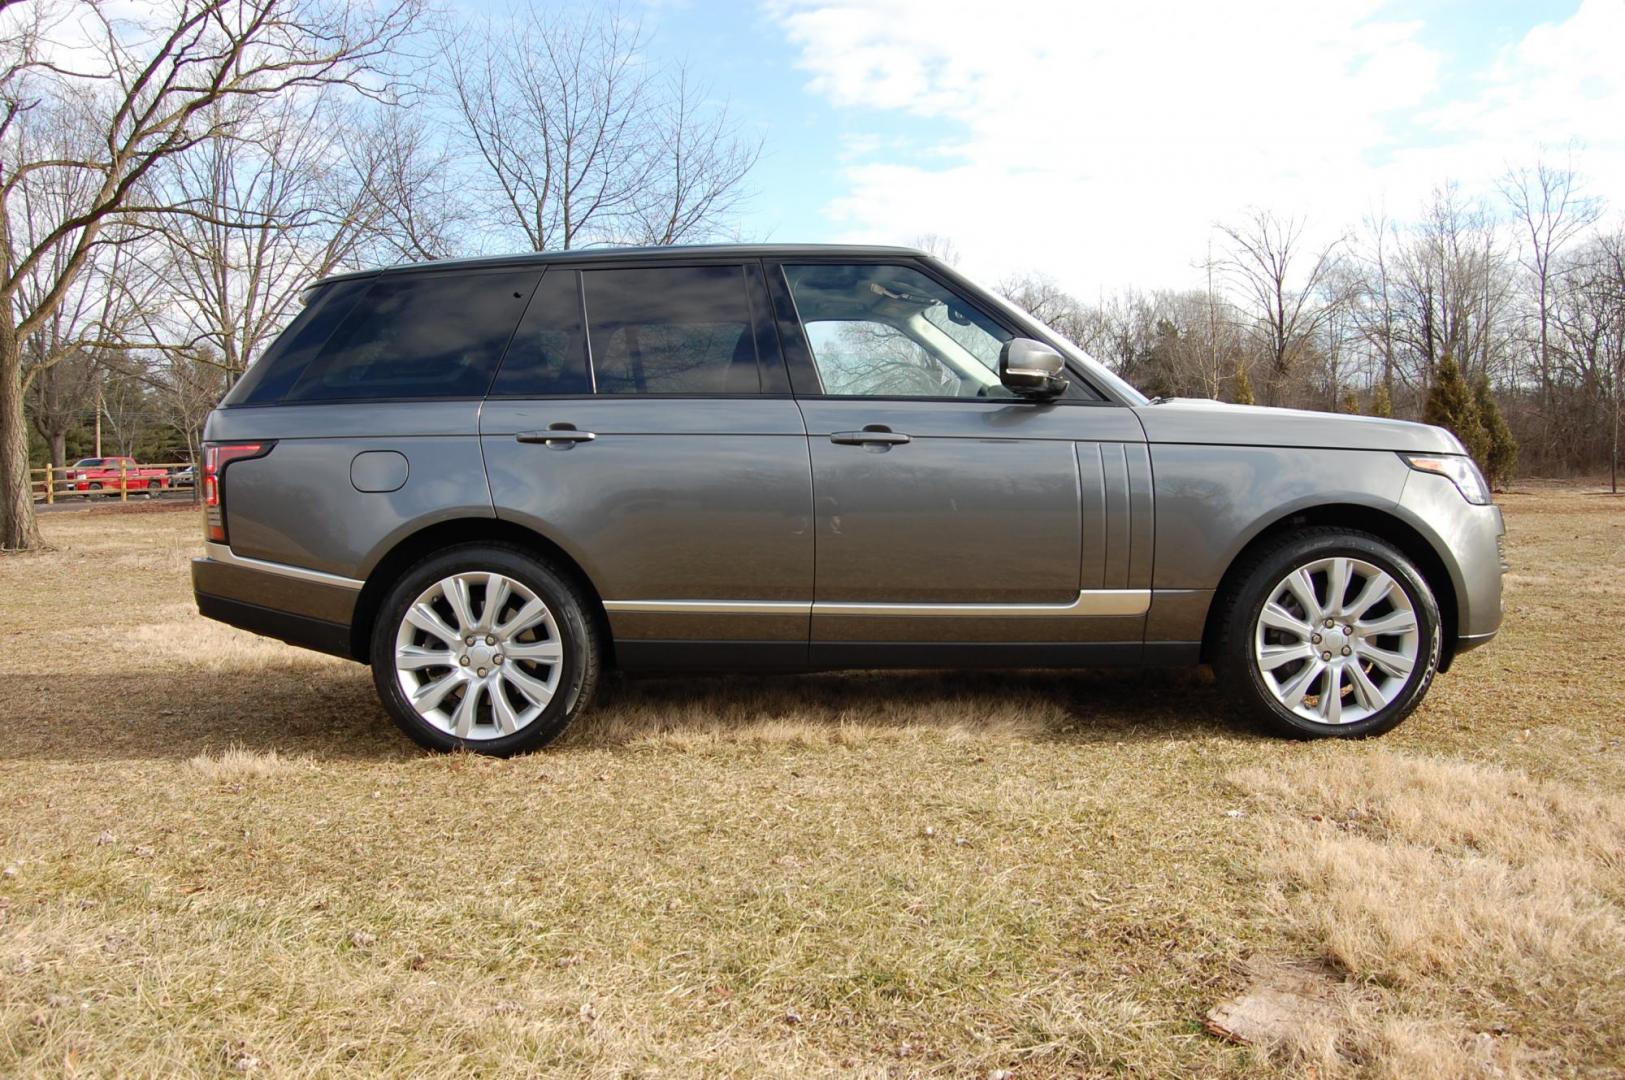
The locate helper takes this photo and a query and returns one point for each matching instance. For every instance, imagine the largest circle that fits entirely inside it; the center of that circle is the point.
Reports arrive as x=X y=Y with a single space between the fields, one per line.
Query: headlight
x=1461 y=471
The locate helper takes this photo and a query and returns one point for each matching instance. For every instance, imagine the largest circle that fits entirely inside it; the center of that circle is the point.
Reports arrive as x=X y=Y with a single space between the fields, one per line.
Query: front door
x=949 y=512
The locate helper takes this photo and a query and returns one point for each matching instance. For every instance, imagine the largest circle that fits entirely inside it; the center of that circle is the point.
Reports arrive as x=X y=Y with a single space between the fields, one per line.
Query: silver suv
x=493 y=480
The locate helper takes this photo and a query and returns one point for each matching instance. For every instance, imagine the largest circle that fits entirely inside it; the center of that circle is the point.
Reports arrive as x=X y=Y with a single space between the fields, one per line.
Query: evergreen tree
x=1450 y=405
x=1501 y=455
x=1244 y=387
x=1381 y=403
x=1349 y=402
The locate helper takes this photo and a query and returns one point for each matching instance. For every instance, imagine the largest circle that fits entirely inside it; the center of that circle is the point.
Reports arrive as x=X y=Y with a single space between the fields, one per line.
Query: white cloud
x=1099 y=142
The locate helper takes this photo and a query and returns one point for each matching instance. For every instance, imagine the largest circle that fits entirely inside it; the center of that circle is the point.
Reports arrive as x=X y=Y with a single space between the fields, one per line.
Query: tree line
x=1500 y=317
x=173 y=176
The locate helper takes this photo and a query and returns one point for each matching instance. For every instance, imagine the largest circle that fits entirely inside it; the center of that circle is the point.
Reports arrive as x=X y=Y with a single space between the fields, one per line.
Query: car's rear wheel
x=153 y=487
x=1328 y=633
x=484 y=648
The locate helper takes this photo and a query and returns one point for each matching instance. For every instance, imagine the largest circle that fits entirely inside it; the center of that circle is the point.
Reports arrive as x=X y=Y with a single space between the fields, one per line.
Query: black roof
x=614 y=254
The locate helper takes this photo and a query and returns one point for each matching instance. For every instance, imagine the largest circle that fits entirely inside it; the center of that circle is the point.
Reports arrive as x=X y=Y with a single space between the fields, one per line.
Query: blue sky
x=1099 y=143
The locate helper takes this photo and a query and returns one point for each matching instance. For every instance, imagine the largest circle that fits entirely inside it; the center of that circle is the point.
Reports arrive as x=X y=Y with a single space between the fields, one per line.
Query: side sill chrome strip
x=222 y=553
x=710 y=607
x=1089 y=602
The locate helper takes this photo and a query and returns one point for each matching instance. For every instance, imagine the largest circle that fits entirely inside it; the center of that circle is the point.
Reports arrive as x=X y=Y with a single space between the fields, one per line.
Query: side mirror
x=1031 y=368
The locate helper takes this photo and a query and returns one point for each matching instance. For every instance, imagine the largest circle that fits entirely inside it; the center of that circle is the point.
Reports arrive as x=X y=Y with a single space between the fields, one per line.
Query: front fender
x=1212 y=501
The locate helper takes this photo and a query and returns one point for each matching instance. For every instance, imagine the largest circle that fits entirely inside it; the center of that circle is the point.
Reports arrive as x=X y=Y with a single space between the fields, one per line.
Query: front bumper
x=1468 y=540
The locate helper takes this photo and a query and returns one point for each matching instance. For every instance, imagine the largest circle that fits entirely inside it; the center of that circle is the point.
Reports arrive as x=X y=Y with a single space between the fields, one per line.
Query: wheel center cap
x=479 y=655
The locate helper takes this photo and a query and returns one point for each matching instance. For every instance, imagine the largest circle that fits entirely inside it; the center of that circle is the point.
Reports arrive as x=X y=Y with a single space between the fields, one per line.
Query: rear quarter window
x=426 y=335
x=267 y=380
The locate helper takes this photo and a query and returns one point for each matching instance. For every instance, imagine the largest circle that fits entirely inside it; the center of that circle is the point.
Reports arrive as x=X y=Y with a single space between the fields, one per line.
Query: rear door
x=642 y=420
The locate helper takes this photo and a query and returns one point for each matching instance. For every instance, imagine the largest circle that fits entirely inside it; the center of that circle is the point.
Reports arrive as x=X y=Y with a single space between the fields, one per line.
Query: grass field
x=220 y=857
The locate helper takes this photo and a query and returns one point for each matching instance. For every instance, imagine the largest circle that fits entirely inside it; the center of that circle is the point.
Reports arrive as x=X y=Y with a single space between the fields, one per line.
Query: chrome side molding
x=1090 y=602
x=222 y=553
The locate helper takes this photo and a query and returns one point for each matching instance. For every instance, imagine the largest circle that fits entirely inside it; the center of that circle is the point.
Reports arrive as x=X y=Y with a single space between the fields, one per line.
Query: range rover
x=494 y=480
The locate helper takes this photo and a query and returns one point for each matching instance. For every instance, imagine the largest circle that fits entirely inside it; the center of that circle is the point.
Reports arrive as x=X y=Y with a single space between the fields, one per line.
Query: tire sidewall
x=574 y=626
x=1256 y=591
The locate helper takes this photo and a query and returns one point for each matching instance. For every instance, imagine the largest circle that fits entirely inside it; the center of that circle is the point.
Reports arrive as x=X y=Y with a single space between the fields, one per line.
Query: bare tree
x=127 y=401
x=1043 y=298
x=1373 y=296
x=581 y=139
x=148 y=92
x=1552 y=212
x=419 y=211
x=939 y=247
x=697 y=166
x=1453 y=289
x=282 y=212
x=189 y=386
x=1284 y=287
x=1215 y=368
x=1587 y=320
x=58 y=372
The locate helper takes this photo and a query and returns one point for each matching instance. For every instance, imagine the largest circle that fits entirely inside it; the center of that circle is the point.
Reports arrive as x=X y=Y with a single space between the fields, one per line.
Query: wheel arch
x=419 y=545
x=1380 y=523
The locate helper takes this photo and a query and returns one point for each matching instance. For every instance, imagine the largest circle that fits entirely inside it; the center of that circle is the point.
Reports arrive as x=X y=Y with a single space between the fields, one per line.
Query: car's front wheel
x=1328 y=633
x=484 y=648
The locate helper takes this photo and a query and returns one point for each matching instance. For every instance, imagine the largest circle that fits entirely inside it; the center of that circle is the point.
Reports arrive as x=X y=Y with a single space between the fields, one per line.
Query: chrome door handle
x=560 y=437
x=869 y=438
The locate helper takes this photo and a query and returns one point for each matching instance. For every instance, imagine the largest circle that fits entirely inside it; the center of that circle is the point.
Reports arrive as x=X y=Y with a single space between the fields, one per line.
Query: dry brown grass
x=1482 y=910
x=221 y=857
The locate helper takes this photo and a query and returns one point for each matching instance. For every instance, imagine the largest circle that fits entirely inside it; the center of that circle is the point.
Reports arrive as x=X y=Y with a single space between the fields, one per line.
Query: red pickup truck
x=96 y=473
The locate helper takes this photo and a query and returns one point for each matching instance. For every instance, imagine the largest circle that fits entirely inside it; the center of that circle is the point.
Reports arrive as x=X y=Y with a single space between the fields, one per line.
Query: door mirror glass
x=1031 y=368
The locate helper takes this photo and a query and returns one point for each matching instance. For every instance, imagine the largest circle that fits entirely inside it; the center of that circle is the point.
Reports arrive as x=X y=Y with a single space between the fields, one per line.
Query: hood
x=1193 y=420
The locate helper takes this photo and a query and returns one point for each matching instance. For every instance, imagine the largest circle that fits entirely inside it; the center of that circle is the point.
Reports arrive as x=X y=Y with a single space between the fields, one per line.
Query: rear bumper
x=300 y=630
x=266 y=599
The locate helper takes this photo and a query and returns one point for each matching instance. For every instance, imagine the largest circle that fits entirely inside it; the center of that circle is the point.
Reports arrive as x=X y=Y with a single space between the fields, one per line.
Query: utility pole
x=98 y=416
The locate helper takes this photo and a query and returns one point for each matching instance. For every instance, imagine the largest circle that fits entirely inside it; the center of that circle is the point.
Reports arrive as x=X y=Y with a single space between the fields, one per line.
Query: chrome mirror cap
x=1032 y=368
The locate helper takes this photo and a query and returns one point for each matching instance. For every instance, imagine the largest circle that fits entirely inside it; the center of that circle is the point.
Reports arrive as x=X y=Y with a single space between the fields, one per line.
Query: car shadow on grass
x=331 y=711
x=849 y=706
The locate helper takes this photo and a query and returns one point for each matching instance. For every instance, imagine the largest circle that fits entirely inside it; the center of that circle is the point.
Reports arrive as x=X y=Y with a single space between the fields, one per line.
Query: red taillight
x=216 y=456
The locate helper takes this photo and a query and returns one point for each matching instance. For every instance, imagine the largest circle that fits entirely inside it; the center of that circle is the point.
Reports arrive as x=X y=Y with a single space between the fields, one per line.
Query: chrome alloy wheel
x=1336 y=641
x=478 y=655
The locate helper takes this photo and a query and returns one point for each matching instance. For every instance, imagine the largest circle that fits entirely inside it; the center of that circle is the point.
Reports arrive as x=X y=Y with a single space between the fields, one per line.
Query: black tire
x=95 y=486
x=153 y=487
x=577 y=629
x=1243 y=603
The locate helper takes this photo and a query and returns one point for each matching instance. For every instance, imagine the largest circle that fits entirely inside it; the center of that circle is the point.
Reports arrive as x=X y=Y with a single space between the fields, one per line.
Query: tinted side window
x=674 y=330
x=285 y=359
x=433 y=335
x=548 y=356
